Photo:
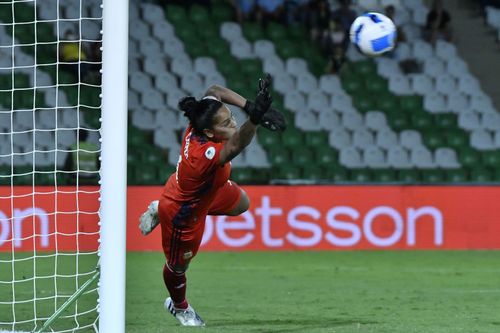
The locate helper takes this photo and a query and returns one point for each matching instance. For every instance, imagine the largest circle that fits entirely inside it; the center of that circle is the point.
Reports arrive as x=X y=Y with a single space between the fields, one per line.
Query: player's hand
x=262 y=104
x=273 y=120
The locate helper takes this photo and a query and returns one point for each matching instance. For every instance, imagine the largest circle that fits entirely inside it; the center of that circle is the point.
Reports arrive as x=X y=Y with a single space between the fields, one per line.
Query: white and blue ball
x=373 y=34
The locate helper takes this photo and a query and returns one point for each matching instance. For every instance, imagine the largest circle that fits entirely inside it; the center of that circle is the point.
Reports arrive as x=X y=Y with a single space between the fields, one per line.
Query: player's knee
x=243 y=204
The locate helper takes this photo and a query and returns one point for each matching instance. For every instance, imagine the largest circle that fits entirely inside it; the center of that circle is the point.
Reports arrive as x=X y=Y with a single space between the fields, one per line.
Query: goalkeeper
x=201 y=186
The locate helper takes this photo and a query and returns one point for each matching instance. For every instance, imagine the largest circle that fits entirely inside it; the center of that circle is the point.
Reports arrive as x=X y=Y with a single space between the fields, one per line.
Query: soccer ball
x=373 y=34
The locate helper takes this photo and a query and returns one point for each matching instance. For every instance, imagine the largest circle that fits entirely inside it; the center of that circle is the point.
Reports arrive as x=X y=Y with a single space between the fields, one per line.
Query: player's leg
x=230 y=200
x=180 y=245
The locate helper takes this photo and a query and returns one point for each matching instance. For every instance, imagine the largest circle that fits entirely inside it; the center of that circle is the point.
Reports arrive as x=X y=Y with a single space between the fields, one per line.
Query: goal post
x=63 y=151
x=114 y=166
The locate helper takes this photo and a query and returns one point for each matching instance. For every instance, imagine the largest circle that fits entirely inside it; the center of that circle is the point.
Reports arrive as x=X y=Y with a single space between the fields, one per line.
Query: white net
x=50 y=86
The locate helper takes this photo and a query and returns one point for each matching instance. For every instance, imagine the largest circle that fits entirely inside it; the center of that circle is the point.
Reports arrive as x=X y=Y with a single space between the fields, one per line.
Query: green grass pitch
x=342 y=292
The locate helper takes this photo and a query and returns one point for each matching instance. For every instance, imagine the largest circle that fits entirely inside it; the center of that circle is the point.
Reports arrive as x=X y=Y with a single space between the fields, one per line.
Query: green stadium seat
x=360 y=175
x=46 y=54
x=411 y=103
x=6 y=12
x=66 y=78
x=268 y=139
x=375 y=84
x=409 y=176
x=251 y=68
x=23 y=12
x=222 y=13
x=469 y=157
x=23 y=99
x=325 y=156
x=481 y=175
x=260 y=176
x=288 y=171
x=199 y=15
x=422 y=121
x=337 y=174
x=135 y=136
x=456 y=175
x=365 y=68
x=432 y=176
x=398 y=121
x=312 y=172
x=287 y=49
x=5 y=100
x=242 y=175
x=25 y=33
x=175 y=14
x=352 y=84
x=45 y=32
x=279 y=156
x=491 y=158
x=364 y=103
x=388 y=103
x=384 y=175
x=298 y=32
x=292 y=138
x=316 y=139
x=21 y=81
x=219 y=50
x=147 y=174
x=253 y=31
x=445 y=121
x=433 y=139
x=276 y=31
x=5 y=82
x=456 y=138
x=302 y=156
x=209 y=32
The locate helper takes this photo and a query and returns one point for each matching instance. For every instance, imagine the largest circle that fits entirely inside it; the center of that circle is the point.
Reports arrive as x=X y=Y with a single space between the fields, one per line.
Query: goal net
x=50 y=108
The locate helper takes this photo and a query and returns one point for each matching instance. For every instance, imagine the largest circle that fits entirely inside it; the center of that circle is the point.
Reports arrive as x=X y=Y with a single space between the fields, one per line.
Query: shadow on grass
x=288 y=325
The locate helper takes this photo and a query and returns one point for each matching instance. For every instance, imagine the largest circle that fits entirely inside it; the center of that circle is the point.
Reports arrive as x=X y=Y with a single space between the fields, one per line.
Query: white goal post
x=114 y=166
x=63 y=165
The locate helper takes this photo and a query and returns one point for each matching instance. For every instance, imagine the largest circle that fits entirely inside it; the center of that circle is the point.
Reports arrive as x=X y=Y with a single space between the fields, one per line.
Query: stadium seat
x=264 y=48
x=374 y=157
x=410 y=176
x=329 y=120
x=435 y=102
x=397 y=157
x=434 y=139
x=318 y=101
x=432 y=176
x=481 y=139
x=469 y=120
x=384 y=176
x=330 y=83
x=375 y=120
x=469 y=157
x=362 y=138
x=352 y=121
x=360 y=175
x=421 y=158
x=307 y=121
x=292 y=138
x=456 y=176
x=350 y=157
x=481 y=175
x=307 y=83
x=410 y=139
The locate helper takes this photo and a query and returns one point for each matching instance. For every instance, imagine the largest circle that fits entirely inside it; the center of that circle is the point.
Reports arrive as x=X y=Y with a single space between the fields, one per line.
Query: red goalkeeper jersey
x=198 y=176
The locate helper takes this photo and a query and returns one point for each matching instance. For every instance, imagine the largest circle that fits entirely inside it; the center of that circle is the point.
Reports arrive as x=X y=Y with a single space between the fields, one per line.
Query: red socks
x=176 y=285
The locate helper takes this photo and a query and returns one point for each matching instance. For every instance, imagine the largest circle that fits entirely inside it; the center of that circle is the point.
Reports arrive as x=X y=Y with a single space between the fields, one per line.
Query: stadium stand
x=372 y=122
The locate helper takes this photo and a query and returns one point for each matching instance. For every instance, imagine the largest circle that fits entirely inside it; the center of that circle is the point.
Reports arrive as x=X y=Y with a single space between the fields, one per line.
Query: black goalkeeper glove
x=256 y=110
x=273 y=120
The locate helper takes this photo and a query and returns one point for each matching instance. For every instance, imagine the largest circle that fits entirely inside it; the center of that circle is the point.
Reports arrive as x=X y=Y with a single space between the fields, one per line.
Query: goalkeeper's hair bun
x=200 y=113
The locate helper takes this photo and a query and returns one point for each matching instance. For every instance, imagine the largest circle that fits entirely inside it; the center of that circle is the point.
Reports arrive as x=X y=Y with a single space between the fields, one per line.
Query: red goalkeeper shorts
x=181 y=241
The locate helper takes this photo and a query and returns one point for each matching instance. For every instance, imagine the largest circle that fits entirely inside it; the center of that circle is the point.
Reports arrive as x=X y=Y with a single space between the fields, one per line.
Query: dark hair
x=200 y=113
